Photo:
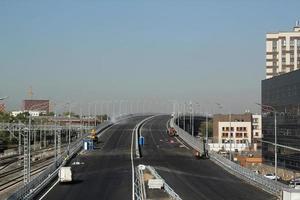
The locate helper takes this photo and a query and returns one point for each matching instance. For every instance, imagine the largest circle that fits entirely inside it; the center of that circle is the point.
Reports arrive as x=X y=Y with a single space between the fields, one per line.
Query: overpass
x=106 y=172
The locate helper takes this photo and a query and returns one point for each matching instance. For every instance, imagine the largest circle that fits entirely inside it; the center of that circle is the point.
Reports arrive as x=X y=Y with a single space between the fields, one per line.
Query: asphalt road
x=106 y=172
x=192 y=179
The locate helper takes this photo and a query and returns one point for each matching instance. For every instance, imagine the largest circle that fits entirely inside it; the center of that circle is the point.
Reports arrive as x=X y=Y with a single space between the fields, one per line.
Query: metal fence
x=271 y=186
x=31 y=189
x=139 y=189
x=167 y=188
x=196 y=143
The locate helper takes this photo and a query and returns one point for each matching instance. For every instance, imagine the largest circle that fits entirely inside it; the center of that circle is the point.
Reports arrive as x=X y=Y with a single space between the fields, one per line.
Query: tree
x=66 y=114
x=5 y=117
x=22 y=117
x=202 y=128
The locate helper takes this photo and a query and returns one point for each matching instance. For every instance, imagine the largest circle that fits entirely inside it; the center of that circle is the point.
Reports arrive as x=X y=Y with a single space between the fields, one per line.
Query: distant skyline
x=87 y=51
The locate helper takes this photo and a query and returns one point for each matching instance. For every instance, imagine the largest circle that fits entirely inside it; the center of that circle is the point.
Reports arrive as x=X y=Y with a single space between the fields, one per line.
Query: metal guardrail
x=31 y=189
x=167 y=188
x=271 y=186
x=136 y=132
x=44 y=127
x=196 y=143
x=140 y=192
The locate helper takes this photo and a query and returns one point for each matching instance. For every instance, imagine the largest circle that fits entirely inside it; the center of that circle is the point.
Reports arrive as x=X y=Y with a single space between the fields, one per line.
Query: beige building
x=240 y=126
x=245 y=128
x=256 y=127
x=282 y=52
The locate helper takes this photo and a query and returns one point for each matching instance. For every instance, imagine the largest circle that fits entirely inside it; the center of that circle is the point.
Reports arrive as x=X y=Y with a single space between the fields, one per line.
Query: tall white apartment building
x=282 y=52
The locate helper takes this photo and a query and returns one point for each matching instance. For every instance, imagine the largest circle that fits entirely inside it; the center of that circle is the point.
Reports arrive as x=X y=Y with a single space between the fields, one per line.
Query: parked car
x=295 y=184
x=271 y=176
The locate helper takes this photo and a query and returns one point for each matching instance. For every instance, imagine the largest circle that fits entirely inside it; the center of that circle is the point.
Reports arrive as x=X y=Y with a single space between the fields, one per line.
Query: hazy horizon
x=85 y=51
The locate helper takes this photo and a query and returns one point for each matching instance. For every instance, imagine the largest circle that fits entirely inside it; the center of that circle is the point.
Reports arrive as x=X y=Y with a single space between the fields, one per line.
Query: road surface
x=106 y=172
x=192 y=179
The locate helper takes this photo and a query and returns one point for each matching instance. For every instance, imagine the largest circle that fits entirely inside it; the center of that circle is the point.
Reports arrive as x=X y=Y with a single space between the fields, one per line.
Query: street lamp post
x=272 y=109
x=95 y=113
x=184 y=116
x=206 y=129
x=230 y=137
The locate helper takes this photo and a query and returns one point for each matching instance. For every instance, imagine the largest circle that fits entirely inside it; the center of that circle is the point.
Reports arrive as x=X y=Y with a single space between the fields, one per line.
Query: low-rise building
x=237 y=128
x=2 y=107
x=37 y=105
x=32 y=113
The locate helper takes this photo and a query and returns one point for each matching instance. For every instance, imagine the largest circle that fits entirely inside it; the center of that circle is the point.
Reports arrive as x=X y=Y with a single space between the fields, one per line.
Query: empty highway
x=192 y=179
x=106 y=172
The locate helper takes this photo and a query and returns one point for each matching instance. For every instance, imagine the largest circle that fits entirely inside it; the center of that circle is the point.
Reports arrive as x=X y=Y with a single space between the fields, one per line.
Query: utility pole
x=230 y=137
x=272 y=109
x=206 y=129
x=184 y=116
x=69 y=126
x=95 y=108
x=275 y=137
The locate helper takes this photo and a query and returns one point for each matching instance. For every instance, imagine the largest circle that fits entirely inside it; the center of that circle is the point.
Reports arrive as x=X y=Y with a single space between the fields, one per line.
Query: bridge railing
x=31 y=189
x=271 y=186
x=196 y=143
x=167 y=188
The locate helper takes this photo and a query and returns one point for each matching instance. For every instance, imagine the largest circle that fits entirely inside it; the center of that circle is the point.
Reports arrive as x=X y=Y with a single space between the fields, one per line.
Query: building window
x=292 y=43
x=245 y=135
x=224 y=134
x=284 y=43
x=256 y=133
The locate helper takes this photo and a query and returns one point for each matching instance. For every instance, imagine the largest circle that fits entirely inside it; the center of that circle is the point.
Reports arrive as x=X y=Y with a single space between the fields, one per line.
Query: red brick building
x=2 y=107
x=38 y=105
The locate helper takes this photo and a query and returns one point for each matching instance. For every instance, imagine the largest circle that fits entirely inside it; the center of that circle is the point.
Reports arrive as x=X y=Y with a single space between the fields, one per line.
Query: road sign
x=142 y=141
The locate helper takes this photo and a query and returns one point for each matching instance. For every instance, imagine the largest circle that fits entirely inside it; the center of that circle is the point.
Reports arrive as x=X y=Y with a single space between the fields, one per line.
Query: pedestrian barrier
x=31 y=189
x=195 y=143
x=270 y=186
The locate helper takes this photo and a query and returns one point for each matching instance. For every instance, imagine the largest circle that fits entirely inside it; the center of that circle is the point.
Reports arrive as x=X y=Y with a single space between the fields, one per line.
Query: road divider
x=270 y=186
x=37 y=184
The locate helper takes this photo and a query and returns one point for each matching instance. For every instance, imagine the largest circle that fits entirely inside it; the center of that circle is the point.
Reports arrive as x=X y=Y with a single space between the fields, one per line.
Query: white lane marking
x=182 y=143
x=49 y=190
x=99 y=134
x=167 y=124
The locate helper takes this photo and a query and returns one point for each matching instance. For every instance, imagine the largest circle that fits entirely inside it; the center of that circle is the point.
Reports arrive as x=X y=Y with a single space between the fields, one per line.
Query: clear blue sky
x=205 y=51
